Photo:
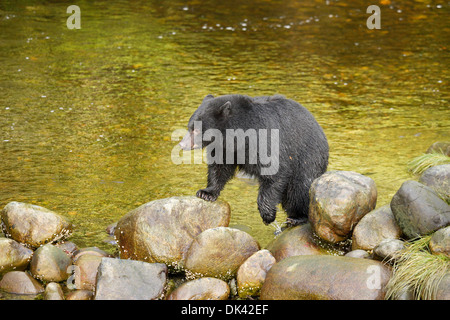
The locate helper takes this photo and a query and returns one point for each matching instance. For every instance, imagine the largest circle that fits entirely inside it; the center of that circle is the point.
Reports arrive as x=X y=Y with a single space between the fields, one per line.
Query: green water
x=86 y=116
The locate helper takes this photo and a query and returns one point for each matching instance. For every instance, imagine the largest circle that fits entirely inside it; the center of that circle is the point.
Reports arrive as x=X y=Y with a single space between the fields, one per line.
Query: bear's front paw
x=206 y=195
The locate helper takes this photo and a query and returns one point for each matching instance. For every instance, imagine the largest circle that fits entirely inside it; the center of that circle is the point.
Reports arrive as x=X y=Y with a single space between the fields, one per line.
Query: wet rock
x=85 y=271
x=163 y=230
x=80 y=295
x=219 y=252
x=325 y=277
x=375 y=227
x=13 y=256
x=50 y=263
x=358 y=253
x=440 y=147
x=295 y=241
x=418 y=210
x=438 y=179
x=20 y=282
x=389 y=248
x=201 y=289
x=252 y=273
x=92 y=251
x=53 y=291
x=119 y=279
x=440 y=242
x=33 y=225
x=339 y=199
x=68 y=247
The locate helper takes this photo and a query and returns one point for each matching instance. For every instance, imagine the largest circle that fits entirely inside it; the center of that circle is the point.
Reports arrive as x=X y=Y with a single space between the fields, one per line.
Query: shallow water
x=86 y=116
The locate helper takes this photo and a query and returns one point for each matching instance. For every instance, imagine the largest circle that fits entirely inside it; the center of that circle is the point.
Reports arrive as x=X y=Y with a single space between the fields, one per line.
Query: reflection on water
x=86 y=115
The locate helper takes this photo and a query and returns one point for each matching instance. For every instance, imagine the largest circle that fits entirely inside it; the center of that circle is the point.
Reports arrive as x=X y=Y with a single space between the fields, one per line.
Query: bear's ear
x=208 y=97
x=224 y=110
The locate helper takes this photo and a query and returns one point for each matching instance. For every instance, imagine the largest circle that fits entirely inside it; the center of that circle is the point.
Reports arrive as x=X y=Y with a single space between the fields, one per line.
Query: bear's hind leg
x=296 y=203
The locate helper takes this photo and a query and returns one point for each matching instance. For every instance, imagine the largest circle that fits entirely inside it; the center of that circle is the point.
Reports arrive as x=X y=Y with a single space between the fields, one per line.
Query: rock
x=252 y=273
x=389 y=248
x=440 y=242
x=163 y=230
x=50 y=263
x=438 y=179
x=92 y=251
x=119 y=279
x=86 y=268
x=375 y=227
x=53 y=291
x=219 y=252
x=33 y=225
x=201 y=289
x=443 y=290
x=13 y=256
x=294 y=241
x=325 y=277
x=338 y=200
x=20 y=282
x=358 y=253
x=418 y=210
x=440 y=147
x=80 y=295
x=68 y=247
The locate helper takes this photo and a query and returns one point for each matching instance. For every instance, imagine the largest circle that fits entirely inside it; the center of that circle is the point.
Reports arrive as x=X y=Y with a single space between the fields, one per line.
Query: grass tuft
x=421 y=163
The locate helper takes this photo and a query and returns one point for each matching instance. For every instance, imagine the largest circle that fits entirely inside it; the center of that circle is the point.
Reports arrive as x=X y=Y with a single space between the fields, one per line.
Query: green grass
x=421 y=163
x=416 y=269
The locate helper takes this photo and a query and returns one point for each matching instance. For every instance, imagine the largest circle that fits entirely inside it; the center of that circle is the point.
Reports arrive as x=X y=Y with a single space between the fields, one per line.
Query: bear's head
x=213 y=113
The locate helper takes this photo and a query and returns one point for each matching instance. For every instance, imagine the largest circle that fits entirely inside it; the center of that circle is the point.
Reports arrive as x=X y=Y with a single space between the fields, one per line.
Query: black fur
x=303 y=150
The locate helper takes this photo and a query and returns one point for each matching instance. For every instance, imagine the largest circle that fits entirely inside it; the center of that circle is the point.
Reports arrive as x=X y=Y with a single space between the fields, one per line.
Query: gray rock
x=418 y=210
x=163 y=230
x=20 y=282
x=440 y=242
x=119 y=279
x=375 y=227
x=338 y=200
x=219 y=252
x=438 y=179
x=358 y=253
x=389 y=248
x=440 y=147
x=324 y=277
x=201 y=289
x=13 y=256
x=33 y=225
x=50 y=263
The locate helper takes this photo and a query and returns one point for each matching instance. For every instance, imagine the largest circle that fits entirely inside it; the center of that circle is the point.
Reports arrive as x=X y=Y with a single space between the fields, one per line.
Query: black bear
x=271 y=138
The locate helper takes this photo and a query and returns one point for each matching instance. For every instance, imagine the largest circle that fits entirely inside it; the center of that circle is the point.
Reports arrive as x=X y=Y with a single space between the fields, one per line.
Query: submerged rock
x=13 y=256
x=219 y=252
x=163 y=230
x=418 y=210
x=119 y=279
x=338 y=200
x=33 y=225
x=201 y=289
x=324 y=277
x=295 y=241
x=252 y=273
x=375 y=227
x=20 y=282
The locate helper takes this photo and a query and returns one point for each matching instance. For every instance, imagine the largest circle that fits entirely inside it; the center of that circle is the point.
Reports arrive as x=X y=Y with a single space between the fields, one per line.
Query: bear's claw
x=205 y=195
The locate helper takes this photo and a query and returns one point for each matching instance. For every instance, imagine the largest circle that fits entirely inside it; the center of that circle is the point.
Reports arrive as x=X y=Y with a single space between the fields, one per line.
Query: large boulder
x=418 y=210
x=219 y=252
x=119 y=279
x=438 y=179
x=375 y=227
x=33 y=225
x=201 y=289
x=163 y=230
x=338 y=200
x=295 y=241
x=325 y=277
x=13 y=256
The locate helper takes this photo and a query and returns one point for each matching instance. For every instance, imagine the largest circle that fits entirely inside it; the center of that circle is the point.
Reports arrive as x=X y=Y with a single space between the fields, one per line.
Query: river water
x=86 y=115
